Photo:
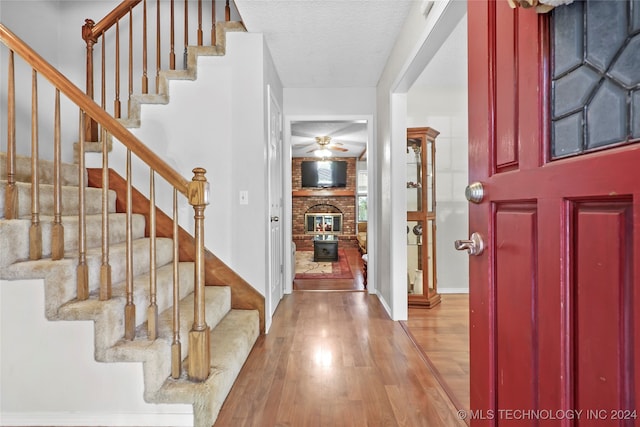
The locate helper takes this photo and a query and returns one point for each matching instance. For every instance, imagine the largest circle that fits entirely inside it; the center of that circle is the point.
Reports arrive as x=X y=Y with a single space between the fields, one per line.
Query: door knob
x=275 y=219
x=474 y=246
x=474 y=192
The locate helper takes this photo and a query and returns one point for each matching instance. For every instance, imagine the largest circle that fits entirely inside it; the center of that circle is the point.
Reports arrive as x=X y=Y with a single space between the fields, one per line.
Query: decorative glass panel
x=595 y=75
x=430 y=277
x=414 y=175
x=414 y=257
x=429 y=171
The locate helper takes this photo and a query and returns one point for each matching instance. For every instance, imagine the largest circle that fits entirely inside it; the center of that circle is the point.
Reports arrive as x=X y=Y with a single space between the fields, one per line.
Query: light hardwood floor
x=442 y=336
x=336 y=359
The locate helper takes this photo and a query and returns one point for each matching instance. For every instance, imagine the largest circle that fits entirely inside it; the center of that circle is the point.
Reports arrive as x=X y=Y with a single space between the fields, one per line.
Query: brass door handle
x=474 y=246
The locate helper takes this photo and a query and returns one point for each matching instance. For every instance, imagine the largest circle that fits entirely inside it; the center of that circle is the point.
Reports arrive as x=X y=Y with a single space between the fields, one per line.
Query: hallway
x=336 y=359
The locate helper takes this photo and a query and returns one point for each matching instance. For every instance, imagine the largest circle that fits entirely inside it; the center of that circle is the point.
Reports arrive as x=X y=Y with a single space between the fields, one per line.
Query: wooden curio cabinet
x=421 y=218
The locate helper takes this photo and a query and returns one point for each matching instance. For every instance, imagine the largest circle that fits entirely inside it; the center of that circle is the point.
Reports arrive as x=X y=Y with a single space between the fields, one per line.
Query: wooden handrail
x=70 y=90
x=109 y=20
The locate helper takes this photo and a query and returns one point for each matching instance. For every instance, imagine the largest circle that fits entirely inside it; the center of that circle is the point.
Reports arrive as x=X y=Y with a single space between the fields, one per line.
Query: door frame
x=443 y=18
x=289 y=267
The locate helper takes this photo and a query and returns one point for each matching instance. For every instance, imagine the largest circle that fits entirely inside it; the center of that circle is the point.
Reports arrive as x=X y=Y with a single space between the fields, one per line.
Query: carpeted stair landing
x=233 y=332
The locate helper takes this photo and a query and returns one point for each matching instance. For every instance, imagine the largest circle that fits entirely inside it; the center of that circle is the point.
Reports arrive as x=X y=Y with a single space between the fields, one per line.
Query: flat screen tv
x=324 y=173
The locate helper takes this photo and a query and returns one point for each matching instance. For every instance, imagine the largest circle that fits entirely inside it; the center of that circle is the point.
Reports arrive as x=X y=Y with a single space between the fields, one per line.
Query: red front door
x=554 y=298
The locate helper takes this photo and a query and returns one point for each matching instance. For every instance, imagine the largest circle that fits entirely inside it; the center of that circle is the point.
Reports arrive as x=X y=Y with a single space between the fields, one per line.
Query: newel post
x=90 y=125
x=199 y=352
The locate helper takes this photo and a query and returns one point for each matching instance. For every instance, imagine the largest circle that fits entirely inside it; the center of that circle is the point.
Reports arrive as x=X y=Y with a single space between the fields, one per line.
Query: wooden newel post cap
x=199 y=188
x=87 y=31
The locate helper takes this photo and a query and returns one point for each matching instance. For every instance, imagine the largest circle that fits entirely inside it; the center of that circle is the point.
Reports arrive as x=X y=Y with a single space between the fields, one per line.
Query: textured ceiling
x=327 y=43
x=341 y=44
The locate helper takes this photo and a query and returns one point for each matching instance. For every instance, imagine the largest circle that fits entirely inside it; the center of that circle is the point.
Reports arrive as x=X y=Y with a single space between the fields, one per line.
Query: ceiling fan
x=325 y=146
x=337 y=138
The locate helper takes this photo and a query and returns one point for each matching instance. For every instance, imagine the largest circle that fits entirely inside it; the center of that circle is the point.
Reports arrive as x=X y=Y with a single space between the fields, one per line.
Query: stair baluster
x=130 y=80
x=152 y=310
x=199 y=30
x=213 y=22
x=186 y=34
x=172 y=38
x=145 y=79
x=117 y=107
x=158 y=50
x=130 y=307
x=35 y=231
x=57 y=229
x=105 y=267
x=11 y=193
x=82 y=269
x=176 y=345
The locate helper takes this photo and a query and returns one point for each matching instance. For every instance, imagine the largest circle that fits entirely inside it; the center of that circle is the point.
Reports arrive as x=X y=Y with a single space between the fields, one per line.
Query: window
x=362 y=208
x=361 y=198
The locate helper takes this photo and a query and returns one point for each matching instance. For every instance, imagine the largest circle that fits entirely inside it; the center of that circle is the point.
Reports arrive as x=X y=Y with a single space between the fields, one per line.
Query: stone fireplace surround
x=323 y=200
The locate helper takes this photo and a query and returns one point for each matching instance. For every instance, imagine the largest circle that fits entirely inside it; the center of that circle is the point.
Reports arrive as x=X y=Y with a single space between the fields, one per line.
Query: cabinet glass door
x=414 y=175
x=421 y=216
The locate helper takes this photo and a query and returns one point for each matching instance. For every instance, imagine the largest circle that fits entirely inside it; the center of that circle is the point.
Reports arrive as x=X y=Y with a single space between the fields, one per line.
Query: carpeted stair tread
x=231 y=342
x=14 y=247
x=217 y=303
x=69 y=194
x=157 y=369
x=60 y=276
x=68 y=171
x=111 y=331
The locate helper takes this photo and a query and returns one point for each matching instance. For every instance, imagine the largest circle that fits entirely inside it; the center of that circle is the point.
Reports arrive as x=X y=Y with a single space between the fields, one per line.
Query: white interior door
x=276 y=269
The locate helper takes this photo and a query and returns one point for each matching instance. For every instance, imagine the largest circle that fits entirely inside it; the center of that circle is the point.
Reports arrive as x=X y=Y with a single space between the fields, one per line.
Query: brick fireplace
x=339 y=201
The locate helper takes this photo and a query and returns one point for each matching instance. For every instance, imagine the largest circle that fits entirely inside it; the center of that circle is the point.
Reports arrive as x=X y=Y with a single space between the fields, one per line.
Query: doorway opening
x=328 y=164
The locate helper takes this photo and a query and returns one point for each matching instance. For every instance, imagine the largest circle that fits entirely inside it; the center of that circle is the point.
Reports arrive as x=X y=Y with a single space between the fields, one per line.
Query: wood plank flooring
x=336 y=359
x=442 y=336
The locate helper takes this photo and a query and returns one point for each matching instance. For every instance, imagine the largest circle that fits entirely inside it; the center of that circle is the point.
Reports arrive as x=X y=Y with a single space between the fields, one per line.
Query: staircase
x=233 y=332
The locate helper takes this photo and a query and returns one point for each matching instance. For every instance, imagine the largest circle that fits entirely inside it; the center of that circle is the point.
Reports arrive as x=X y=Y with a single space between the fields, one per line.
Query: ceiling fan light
x=322 y=153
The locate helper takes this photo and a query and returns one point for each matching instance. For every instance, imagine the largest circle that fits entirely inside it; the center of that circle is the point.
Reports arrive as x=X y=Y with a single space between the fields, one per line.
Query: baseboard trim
x=70 y=419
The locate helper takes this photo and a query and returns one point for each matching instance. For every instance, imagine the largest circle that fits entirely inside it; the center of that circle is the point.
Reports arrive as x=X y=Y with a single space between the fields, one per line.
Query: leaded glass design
x=595 y=93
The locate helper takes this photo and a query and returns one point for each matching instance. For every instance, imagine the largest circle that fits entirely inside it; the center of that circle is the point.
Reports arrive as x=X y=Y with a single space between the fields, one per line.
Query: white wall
x=439 y=100
x=329 y=101
x=225 y=133
x=415 y=46
x=68 y=387
x=22 y=18
x=309 y=104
